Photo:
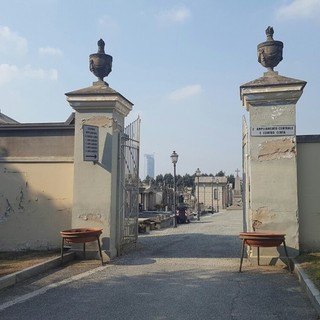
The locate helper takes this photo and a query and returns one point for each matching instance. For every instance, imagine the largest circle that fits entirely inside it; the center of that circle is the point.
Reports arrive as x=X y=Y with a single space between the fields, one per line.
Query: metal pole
x=217 y=198
x=204 y=197
x=212 y=196
x=174 y=197
x=198 y=201
x=174 y=159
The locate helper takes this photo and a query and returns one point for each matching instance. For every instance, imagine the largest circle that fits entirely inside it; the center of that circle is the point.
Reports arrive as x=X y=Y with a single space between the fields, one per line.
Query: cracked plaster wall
x=96 y=185
x=277 y=149
x=35 y=204
x=273 y=176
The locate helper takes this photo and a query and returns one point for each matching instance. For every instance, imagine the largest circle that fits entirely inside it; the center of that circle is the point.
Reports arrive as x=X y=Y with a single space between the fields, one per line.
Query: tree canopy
x=186 y=180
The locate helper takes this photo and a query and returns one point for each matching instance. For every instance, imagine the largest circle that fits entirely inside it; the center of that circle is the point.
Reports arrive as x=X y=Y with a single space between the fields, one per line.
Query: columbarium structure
x=269 y=150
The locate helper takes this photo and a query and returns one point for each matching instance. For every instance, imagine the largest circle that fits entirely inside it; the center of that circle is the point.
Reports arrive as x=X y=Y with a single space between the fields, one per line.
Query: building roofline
x=308 y=138
x=68 y=124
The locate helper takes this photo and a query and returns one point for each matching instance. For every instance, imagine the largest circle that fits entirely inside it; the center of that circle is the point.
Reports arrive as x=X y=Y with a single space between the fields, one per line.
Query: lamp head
x=174 y=157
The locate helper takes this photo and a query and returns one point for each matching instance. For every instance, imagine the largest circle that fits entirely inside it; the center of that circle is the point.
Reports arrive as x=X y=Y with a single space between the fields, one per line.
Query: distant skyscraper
x=149 y=165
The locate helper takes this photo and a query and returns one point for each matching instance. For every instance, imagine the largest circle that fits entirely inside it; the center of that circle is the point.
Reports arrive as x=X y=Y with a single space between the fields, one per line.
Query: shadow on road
x=189 y=245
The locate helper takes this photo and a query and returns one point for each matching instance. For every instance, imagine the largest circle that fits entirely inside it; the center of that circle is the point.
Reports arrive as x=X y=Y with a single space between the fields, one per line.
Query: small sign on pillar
x=90 y=143
x=273 y=130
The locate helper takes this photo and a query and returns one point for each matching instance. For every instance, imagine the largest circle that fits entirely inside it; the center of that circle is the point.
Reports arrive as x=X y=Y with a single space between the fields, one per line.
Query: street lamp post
x=174 y=159
x=212 y=195
x=217 y=195
x=198 y=172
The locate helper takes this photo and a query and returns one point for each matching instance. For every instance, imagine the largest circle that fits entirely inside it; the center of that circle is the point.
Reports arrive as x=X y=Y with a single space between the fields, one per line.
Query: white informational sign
x=279 y=130
x=90 y=143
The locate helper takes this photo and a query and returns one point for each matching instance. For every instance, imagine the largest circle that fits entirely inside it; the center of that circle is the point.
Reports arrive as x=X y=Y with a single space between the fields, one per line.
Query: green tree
x=150 y=181
x=188 y=180
x=159 y=180
x=220 y=174
x=168 y=180
x=231 y=179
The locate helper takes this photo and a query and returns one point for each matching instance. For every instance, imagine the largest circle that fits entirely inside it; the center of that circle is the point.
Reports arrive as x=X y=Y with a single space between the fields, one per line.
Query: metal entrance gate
x=246 y=196
x=129 y=185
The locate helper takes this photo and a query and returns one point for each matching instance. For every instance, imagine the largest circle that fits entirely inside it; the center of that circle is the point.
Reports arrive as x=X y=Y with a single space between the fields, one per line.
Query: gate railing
x=129 y=184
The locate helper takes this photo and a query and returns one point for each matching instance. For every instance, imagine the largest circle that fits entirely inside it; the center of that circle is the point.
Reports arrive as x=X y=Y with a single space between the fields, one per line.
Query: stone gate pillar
x=99 y=122
x=271 y=103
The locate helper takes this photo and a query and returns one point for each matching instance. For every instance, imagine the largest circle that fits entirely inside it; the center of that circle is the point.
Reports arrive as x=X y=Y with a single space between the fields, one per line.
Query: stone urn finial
x=100 y=64
x=270 y=51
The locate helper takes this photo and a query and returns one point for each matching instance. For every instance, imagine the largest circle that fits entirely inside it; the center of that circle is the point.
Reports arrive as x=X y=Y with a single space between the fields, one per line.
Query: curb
x=312 y=292
x=12 y=279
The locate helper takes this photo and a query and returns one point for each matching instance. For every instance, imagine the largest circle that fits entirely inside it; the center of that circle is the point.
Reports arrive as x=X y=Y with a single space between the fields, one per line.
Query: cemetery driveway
x=189 y=272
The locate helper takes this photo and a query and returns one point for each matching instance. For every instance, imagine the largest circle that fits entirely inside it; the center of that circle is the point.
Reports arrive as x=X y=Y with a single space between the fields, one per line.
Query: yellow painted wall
x=35 y=204
x=309 y=195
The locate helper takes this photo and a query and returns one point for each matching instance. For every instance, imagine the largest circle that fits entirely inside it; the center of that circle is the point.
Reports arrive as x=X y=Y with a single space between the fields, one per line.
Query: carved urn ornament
x=100 y=64
x=270 y=51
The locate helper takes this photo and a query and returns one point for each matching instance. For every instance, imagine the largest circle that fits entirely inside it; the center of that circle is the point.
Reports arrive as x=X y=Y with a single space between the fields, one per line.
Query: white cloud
x=9 y=73
x=186 y=92
x=50 y=51
x=304 y=9
x=36 y=74
x=11 y=43
x=177 y=14
x=108 y=23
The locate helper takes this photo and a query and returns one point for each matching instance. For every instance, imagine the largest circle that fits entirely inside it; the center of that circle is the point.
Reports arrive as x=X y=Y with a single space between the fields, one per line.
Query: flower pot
x=262 y=239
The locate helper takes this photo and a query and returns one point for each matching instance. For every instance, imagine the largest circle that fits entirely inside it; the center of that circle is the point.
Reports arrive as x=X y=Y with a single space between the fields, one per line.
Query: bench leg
x=258 y=253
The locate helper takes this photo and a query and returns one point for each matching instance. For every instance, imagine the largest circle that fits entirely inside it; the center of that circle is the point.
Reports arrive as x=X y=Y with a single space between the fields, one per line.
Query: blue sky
x=180 y=62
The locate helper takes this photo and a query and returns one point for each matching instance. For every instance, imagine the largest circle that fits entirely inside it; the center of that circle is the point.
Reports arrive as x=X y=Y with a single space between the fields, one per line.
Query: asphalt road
x=189 y=272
